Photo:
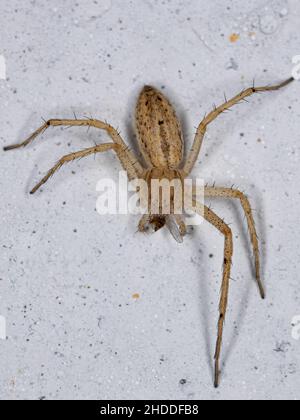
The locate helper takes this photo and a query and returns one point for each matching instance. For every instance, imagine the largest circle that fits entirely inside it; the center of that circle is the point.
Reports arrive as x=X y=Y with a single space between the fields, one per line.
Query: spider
x=162 y=146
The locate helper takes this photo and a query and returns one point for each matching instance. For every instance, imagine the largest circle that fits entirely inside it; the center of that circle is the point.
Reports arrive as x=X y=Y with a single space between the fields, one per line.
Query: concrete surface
x=68 y=276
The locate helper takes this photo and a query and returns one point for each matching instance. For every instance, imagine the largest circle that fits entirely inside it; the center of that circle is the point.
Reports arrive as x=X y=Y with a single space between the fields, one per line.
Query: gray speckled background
x=68 y=276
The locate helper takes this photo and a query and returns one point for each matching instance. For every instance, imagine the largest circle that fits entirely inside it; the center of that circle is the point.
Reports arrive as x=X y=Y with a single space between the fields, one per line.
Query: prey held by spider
x=162 y=146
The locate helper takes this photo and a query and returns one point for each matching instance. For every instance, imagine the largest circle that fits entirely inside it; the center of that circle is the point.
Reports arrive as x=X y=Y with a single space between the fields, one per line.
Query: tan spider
x=162 y=146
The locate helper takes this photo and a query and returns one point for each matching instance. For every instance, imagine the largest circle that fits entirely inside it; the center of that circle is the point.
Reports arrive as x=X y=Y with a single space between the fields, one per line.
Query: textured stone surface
x=94 y=310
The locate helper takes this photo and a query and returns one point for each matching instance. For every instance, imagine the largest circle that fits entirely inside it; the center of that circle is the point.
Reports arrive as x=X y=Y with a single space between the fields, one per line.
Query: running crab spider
x=162 y=146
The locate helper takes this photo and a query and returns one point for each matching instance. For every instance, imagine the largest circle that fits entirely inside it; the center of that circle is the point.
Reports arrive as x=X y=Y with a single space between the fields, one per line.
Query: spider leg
x=181 y=224
x=144 y=223
x=73 y=156
x=214 y=220
x=127 y=157
x=235 y=194
x=201 y=130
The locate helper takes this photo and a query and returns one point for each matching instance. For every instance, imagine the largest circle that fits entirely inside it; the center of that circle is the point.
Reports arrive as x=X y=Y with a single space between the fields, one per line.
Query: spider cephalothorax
x=165 y=197
x=162 y=146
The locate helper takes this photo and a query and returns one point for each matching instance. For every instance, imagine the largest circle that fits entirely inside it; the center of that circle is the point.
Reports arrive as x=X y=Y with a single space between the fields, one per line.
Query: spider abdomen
x=159 y=131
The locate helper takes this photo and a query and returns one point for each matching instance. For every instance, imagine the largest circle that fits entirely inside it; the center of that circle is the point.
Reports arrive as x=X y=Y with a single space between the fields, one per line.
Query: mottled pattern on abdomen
x=158 y=129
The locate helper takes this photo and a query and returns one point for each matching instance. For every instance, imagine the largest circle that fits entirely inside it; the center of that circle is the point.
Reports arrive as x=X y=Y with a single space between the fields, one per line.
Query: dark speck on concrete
x=282 y=347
